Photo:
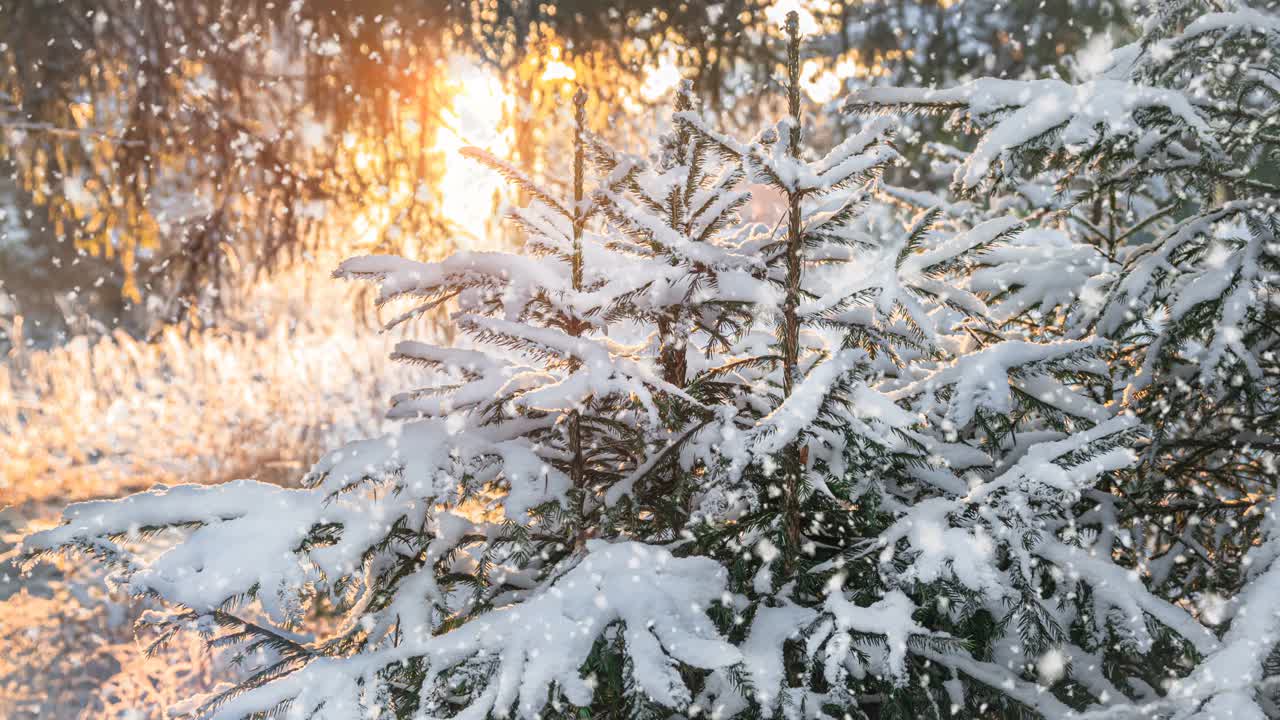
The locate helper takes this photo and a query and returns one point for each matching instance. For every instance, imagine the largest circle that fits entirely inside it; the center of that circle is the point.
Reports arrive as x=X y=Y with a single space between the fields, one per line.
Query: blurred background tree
x=160 y=155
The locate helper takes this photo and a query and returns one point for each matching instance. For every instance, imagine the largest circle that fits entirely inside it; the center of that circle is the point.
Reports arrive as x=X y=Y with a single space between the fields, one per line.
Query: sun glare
x=476 y=118
x=465 y=192
x=823 y=84
x=556 y=69
x=777 y=13
x=660 y=79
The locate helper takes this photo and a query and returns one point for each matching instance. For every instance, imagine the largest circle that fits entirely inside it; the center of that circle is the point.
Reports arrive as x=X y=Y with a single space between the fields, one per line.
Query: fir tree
x=808 y=505
x=1164 y=167
x=460 y=551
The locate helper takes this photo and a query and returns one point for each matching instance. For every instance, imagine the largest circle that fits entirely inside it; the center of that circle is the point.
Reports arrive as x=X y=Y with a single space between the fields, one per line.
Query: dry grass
x=91 y=420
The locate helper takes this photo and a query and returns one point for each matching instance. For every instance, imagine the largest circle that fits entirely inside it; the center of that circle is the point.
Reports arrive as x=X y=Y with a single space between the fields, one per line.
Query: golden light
x=777 y=13
x=367 y=226
x=824 y=84
x=464 y=191
x=660 y=79
x=821 y=85
x=476 y=118
x=556 y=68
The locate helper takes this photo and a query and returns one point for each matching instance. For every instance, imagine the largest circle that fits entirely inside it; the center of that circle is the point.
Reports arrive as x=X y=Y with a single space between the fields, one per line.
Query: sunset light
x=475 y=118
x=556 y=69
x=660 y=79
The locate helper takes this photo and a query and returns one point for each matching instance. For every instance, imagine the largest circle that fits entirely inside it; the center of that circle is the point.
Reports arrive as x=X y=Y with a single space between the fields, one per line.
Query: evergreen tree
x=458 y=552
x=1164 y=167
x=831 y=513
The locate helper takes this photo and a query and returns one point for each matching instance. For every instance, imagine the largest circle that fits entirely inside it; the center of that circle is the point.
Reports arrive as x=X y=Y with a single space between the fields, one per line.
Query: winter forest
x=574 y=359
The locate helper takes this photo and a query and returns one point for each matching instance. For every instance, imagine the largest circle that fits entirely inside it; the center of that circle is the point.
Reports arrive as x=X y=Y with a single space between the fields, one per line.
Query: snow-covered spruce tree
x=462 y=566
x=695 y=289
x=498 y=554
x=853 y=594
x=1020 y=410
x=1184 y=287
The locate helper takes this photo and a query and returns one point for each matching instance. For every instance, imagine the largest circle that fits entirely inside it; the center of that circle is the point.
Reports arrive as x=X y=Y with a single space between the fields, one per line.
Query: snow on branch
x=1012 y=114
x=519 y=657
x=985 y=378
